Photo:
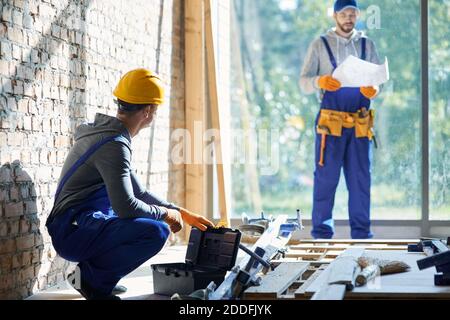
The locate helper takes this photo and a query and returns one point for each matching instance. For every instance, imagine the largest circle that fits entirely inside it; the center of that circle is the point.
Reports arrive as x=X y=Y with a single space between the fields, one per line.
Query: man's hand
x=369 y=92
x=195 y=220
x=174 y=220
x=329 y=83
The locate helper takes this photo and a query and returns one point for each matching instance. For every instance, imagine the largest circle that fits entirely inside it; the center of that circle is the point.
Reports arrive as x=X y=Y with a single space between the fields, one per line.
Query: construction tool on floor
x=439 y=257
x=372 y=267
x=246 y=273
x=429 y=246
x=252 y=229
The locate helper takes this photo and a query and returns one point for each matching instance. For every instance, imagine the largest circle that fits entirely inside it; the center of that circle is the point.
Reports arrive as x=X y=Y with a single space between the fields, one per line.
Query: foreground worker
x=103 y=218
x=344 y=124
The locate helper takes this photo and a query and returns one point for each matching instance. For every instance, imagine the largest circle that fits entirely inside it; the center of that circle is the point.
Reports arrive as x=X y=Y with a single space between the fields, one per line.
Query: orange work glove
x=195 y=220
x=174 y=220
x=329 y=83
x=369 y=92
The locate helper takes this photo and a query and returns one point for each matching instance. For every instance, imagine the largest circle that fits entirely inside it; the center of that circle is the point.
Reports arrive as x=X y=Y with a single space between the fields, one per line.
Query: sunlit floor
x=139 y=283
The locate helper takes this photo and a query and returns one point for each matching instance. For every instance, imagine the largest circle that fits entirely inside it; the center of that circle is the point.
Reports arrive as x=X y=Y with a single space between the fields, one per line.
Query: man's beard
x=346 y=28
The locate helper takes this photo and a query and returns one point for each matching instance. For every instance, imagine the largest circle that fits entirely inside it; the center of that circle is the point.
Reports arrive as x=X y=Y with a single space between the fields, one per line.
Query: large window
x=439 y=74
x=273 y=170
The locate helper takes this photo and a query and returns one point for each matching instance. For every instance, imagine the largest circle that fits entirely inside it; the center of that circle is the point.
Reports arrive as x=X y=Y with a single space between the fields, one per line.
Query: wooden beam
x=195 y=94
x=276 y=282
x=300 y=292
x=340 y=277
x=330 y=292
x=215 y=114
x=347 y=246
x=350 y=241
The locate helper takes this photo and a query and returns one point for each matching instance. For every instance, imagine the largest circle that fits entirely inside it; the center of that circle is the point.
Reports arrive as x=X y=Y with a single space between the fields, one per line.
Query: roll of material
x=367 y=274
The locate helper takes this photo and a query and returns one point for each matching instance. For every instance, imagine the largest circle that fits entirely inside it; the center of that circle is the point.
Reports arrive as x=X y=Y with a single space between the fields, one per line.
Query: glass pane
x=269 y=45
x=396 y=170
x=439 y=110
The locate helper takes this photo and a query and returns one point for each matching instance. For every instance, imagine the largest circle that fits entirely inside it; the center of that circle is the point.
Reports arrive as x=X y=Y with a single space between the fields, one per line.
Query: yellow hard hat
x=140 y=86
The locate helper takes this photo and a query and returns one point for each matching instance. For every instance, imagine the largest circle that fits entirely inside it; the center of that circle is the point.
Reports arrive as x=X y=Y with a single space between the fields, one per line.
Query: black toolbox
x=209 y=256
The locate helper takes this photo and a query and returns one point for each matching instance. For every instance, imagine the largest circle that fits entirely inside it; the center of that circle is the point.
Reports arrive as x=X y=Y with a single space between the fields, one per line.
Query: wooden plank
x=351 y=241
x=300 y=292
x=216 y=120
x=340 y=276
x=312 y=263
x=276 y=282
x=343 y=269
x=414 y=284
x=330 y=292
x=195 y=91
x=346 y=246
x=304 y=255
x=313 y=255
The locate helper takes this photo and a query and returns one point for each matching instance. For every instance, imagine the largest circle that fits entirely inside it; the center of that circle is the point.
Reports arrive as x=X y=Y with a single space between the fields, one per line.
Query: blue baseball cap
x=340 y=5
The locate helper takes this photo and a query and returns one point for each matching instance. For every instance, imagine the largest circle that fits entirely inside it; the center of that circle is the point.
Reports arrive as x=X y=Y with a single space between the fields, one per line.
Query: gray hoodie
x=317 y=62
x=109 y=166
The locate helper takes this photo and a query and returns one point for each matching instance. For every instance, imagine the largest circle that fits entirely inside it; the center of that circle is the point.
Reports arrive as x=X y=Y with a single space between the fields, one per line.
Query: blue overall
x=349 y=153
x=106 y=247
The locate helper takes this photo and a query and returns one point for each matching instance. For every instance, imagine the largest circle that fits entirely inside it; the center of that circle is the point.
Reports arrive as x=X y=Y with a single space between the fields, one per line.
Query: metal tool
x=429 y=246
x=438 y=256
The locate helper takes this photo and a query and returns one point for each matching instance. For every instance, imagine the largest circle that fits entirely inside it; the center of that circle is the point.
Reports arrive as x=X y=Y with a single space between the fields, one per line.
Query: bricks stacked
x=59 y=63
x=21 y=243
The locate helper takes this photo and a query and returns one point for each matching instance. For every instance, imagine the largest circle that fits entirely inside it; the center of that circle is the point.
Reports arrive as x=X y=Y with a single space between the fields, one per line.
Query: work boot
x=88 y=292
x=118 y=289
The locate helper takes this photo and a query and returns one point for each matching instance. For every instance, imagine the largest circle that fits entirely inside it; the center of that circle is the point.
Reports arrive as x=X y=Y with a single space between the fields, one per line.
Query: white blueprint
x=354 y=72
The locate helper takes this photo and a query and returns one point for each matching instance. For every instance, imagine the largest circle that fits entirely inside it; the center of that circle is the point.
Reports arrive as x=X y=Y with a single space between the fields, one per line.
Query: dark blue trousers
x=106 y=247
x=351 y=155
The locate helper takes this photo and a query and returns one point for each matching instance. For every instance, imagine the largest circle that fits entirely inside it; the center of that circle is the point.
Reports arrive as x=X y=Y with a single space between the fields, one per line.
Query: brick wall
x=59 y=62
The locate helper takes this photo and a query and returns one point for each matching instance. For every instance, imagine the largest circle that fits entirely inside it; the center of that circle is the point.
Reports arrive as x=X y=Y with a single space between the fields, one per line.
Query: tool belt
x=331 y=123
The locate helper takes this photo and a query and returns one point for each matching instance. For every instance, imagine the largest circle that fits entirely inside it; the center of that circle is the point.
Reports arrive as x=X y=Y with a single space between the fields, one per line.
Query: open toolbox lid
x=214 y=248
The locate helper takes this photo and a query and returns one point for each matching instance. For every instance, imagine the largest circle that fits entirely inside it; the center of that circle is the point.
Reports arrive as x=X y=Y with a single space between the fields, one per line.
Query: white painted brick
x=29 y=73
x=27 y=124
x=29 y=90
x=56 y=31
x=5 y=51
x=33 y=39
x=32 y=108
x=20 y=71
x=7 y=85
x=17 y=17
x=22 y=105
x=27 y=21
x=15 y=34
x=16 y=52
x=7 y=14
x=34 y=56
x=19 y=4
x=12 y=104
x=18 y=87
x=4 y=68
x=26 y=56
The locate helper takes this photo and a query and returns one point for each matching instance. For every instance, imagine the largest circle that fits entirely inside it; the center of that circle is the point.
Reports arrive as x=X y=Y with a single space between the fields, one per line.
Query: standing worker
x=344 y=124
x=102 y=217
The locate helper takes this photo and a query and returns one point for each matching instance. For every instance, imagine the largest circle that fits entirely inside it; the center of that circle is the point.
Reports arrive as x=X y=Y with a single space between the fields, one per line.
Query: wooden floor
x=139 y=283
x=304 y=269
x=298 y=274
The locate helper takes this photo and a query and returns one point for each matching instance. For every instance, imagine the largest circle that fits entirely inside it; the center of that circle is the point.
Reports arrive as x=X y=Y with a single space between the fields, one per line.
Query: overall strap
x=363 y=45
x=83 y=159
x=330 y=53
